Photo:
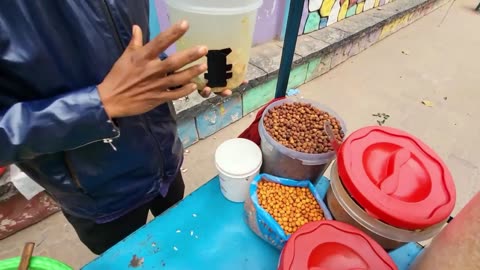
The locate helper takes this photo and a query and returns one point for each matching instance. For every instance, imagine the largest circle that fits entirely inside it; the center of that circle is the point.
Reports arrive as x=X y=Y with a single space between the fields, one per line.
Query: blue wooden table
x=205 y=231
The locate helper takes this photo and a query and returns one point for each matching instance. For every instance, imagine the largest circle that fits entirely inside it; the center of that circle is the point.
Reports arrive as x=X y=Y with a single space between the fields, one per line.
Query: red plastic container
x=396 y=177
x=333 y=245
x=391 y=185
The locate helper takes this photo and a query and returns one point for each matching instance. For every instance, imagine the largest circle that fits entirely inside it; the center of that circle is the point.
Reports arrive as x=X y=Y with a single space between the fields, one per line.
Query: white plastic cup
x=218 y=24
x=238 y=161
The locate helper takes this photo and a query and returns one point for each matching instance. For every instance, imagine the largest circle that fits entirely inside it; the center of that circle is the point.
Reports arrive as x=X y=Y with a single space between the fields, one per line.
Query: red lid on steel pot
x=333 y=245
x=396 y=178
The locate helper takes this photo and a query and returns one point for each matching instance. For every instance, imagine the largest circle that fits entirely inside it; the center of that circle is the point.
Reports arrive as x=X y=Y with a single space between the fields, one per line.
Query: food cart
x=205 y=230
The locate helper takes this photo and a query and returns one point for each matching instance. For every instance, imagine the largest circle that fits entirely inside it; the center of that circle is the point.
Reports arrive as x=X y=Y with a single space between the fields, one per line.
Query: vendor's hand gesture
x=138 y=81
x=207 y=91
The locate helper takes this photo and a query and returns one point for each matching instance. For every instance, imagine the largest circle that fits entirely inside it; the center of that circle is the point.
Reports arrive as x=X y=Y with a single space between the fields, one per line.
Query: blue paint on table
x=405 y=255
x=205 y=231
x=224 y=240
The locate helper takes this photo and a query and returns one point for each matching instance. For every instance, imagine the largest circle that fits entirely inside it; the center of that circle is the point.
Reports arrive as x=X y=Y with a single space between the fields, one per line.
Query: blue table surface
x=206 y=231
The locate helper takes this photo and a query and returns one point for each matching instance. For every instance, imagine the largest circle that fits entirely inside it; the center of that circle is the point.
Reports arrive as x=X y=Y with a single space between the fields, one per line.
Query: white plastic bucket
x=238 y=161
x=218 y=24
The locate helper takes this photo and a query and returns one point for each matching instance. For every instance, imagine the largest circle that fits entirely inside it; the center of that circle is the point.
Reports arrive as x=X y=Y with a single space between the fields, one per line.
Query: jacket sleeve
x=65 y=122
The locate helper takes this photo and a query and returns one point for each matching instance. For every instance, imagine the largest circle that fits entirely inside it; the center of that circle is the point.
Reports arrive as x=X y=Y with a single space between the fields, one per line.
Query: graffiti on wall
x=322 y=13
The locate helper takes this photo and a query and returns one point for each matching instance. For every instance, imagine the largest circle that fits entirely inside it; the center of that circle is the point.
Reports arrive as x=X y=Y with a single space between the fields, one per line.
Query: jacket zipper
x=73 y=174
x=116 y=35
x=107 y=140
x=122 y=48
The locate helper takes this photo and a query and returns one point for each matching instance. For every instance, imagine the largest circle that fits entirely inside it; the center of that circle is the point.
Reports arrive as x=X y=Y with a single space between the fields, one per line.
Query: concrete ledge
x=316 y=53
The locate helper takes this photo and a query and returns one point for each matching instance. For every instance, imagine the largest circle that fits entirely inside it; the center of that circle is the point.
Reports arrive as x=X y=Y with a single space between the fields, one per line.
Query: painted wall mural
x=322 y=13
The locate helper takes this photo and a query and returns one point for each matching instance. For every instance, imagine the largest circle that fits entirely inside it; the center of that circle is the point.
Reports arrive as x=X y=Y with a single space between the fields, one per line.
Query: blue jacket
x=52 y=123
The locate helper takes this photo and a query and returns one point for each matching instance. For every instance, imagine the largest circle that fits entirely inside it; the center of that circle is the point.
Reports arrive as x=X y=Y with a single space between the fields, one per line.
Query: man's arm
x=75 y=119
x=136 y=84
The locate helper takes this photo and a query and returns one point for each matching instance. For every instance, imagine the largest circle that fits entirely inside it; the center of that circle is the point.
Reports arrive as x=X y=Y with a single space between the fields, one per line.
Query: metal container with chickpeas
x=294 y=142
x=278 y=207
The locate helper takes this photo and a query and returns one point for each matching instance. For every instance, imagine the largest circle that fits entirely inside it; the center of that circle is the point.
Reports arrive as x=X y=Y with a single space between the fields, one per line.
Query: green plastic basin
x=36 y=263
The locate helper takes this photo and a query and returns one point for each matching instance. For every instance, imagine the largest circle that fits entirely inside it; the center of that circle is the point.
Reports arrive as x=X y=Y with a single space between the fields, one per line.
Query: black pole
x=289 y=44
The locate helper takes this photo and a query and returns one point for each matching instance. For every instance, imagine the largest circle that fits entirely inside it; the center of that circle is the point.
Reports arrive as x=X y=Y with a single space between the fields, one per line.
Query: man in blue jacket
x=85 y=110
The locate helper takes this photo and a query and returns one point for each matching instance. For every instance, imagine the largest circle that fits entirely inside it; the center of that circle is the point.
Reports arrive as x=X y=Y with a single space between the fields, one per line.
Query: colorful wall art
x=322 y=13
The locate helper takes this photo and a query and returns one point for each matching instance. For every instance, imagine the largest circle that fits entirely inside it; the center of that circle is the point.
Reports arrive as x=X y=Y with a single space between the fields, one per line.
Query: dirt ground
x=426 y=61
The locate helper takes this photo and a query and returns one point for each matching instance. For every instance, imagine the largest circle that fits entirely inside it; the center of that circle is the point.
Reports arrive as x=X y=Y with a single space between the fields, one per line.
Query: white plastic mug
x=238 y=161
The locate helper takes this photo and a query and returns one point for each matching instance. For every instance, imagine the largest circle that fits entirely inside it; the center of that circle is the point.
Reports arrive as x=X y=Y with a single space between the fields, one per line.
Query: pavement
x=429 y=61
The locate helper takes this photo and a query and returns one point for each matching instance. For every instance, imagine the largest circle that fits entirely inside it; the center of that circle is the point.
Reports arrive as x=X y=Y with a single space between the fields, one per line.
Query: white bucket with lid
x=238 y=161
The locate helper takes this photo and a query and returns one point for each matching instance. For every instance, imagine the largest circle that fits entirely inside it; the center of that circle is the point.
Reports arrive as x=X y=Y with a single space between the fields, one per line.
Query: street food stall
x=272 y=208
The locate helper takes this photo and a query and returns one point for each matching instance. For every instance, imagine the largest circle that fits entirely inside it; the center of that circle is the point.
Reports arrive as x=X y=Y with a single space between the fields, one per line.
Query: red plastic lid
x=396 y=178
x=333 y=245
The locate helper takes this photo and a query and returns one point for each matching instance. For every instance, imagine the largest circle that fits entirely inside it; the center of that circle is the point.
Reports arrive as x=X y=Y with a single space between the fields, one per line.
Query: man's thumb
x=137 y=37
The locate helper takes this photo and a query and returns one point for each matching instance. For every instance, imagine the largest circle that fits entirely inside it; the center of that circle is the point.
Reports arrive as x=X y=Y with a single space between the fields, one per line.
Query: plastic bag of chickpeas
x=277 y=207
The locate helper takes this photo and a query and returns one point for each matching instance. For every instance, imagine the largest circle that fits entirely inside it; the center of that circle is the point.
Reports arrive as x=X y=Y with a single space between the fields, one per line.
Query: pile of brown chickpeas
x=291 y=207
x=300 y=126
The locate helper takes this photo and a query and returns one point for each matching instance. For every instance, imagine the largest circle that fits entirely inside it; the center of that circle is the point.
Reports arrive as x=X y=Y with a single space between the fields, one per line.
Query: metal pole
x=289 y=44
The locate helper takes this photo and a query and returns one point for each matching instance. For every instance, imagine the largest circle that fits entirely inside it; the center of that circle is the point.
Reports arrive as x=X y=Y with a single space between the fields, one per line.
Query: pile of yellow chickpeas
x=291 y=207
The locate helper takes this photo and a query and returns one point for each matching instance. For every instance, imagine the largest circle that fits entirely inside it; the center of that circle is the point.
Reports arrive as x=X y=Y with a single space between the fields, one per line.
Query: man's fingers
x=183 y=77
x=161 y=42
x=206 y=92
x=137 y=38
x=180 y=59
x=180 y=92
x=226 y=93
